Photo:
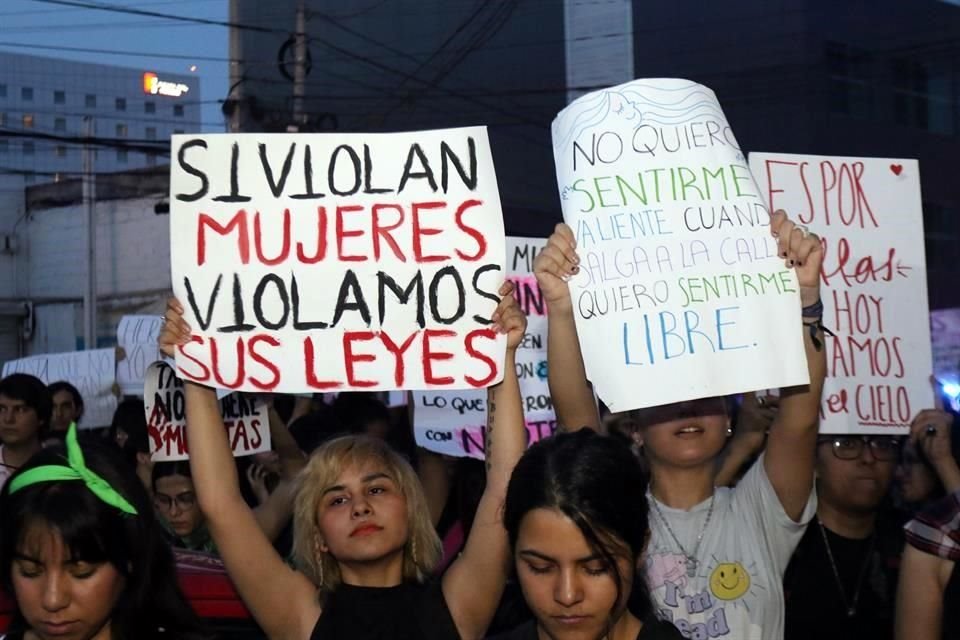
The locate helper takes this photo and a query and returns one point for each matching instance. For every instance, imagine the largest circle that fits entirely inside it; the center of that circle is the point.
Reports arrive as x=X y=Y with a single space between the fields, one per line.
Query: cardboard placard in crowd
x=874 y=283
x=454 y=423
x=137 y=336
x=680 y=293
x=92 y=372
x=338 y=262
x=245 y=417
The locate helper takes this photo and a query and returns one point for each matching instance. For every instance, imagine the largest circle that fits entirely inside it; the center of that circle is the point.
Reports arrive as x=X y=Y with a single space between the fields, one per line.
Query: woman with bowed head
x=716 y=556
x=578 y=539
x=83 y=555
x=364 y=544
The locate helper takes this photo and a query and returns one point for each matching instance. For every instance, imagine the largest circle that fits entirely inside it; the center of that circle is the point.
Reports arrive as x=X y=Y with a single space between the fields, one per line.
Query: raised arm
x=283 y=601
x=791 y=445
x=923 y=579
x=292 y=459
x=930 y=433
x=748 y=439
x=473 y=584
x=566 y=375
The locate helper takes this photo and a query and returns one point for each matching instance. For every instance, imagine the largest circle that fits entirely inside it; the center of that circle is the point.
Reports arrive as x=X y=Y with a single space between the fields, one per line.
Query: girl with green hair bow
x=82 y=552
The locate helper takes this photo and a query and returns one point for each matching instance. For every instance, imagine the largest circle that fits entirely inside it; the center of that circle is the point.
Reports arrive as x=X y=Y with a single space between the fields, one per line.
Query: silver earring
x=729 y=431
x=413 y=552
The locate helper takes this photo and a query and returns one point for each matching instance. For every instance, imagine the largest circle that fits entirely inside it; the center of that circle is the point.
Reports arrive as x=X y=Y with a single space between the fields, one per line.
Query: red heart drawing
x=896 y=168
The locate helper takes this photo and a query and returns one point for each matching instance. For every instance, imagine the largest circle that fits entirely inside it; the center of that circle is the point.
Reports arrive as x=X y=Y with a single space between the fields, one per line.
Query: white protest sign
x=137 y=336
x=244 y=416
x=680 y=293
x=945 y=338
x=338 y=262
x=91 y=372
x=874 y=274
x=454 y=423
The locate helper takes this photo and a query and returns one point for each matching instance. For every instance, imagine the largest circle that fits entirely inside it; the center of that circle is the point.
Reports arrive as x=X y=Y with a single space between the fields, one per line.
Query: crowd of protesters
x=715 y=517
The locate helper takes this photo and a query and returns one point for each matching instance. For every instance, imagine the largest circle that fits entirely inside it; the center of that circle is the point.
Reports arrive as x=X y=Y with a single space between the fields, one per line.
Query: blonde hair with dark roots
x=323 y=470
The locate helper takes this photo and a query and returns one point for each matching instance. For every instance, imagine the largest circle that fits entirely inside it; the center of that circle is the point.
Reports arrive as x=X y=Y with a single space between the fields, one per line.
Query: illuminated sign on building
x=157 y=87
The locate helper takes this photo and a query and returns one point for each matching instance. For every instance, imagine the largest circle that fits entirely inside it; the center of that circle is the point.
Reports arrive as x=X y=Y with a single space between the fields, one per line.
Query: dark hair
x=169 y=468
x=356 y=410
x=32 y=392
x=131 y=417
x=96 y=532
x=597 y=483
x=63 y=385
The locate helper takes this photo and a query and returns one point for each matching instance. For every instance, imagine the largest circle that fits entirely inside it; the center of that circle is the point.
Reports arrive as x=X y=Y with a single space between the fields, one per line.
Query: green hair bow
x=75 y=469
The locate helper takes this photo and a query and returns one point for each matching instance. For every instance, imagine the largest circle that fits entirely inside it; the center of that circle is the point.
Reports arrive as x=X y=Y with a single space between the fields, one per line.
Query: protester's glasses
x=183 y=501
x=851 y=447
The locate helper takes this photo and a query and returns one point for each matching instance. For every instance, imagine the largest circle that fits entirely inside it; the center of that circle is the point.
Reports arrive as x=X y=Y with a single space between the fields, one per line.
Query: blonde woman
x=363 y=540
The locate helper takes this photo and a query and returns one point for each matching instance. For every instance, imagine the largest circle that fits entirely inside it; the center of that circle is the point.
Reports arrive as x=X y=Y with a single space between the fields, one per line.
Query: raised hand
x=176 y=331
x=508 y=318
x=555 y=264
x=800 y=250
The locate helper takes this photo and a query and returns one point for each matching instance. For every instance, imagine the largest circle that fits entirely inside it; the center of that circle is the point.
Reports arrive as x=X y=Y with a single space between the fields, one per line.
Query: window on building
x=178 y=110
x=851 y=78
x=121 y=104
x=151 y=133
x=151 y=159
x=923 y=95
x=28 y=148
x=3 y=91
x=121 y=130
x=60 y=124
x=121 y=155
x=26 y=94
x=30 y=178
x=90 y=101
x=149 y=107
x=61 y=151
x=4 y=145
x=3 y=119
x=27 y=121
x=60 y=97
x=176 y=131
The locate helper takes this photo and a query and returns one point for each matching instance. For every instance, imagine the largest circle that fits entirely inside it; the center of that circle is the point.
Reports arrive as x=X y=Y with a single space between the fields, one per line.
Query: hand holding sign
x=176 y=331
x=555 y=264
x=508 y=318
x=802 y=250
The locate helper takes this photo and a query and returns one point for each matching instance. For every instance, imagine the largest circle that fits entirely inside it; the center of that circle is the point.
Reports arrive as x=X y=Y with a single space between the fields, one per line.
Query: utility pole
x=237 y=71
x=299 y=67
x=89 y=195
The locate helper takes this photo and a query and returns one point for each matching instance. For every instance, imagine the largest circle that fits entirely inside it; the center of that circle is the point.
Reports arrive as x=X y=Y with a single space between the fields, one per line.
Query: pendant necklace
x=850 y=606
x=692 y=562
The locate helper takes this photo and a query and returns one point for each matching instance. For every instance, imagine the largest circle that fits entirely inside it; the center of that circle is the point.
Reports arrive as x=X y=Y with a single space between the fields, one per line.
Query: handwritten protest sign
x=945 y=339
x=875 y=294
x=137 y=336
x=680 y=293
x=324 y=262
x=245 y=417
x=91 y=372
x=454 y=423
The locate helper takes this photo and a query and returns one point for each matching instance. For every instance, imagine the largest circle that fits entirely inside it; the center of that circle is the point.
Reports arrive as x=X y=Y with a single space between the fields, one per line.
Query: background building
x=43 y=103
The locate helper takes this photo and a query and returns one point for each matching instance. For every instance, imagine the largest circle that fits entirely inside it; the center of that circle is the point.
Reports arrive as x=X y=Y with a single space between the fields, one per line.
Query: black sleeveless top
x=652 y=630
x=406 y=612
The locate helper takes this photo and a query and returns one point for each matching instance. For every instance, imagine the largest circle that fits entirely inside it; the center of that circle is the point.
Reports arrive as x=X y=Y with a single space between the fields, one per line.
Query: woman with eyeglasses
x=841 y=582
x=175 y=501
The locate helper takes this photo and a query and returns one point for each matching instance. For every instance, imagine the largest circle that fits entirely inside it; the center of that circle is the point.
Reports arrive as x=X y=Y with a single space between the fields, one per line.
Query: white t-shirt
x=737 y=592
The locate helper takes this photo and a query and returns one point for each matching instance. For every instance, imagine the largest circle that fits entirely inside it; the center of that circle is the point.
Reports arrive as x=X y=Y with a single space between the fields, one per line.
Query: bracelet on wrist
x=814 y=310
